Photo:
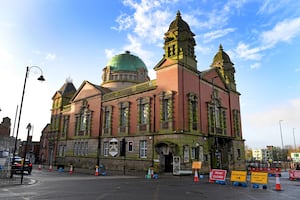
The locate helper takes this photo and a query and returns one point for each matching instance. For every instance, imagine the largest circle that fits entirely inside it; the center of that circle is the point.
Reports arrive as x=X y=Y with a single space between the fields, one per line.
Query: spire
x=220 y=47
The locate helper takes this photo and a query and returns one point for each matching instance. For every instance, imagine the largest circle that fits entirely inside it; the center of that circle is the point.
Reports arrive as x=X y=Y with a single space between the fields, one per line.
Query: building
x=7 y=142
x=129 y=122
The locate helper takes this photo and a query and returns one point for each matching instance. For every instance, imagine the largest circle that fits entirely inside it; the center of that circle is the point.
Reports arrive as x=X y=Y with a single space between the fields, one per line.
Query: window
x=65 y=126
x=61 y=150
x=165 y=111
x=83 y=122
x=130 y=146
x=143 y=113
x=193 y=111
x=166 y=107
x=105 y=148
x=107 y=116
x=238 y=153
x=143 y=149
x=217 y=118
x=186 y=153
x=80 y=148
x=236 y=123
x=124 y=117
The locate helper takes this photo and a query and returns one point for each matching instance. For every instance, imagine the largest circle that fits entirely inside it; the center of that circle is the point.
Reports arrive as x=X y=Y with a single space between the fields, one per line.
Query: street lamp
x=281 y=133
x=40 y=78
x=25 y=152
x=294 y=140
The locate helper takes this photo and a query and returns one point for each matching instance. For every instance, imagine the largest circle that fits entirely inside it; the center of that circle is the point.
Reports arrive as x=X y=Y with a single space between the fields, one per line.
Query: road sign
x=259 y=177
x=218 y=174
x=238 y=176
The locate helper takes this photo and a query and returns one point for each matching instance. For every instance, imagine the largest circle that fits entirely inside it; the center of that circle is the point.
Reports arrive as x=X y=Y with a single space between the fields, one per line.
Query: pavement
x=15 y=180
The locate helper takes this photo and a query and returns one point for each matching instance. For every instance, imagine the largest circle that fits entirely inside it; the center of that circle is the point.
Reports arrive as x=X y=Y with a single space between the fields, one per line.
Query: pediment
x=86 y=90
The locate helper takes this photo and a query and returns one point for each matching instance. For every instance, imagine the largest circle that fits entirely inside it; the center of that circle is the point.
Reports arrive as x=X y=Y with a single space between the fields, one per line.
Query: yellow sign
x=259 y=177
x=238 y=176
x=196 y=165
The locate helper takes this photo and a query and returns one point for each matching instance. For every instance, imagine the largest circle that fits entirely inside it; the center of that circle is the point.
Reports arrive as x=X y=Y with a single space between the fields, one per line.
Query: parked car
x=17 y=165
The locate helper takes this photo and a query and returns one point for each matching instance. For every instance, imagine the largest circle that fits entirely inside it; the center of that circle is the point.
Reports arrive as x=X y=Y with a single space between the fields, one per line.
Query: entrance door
x=168 y=163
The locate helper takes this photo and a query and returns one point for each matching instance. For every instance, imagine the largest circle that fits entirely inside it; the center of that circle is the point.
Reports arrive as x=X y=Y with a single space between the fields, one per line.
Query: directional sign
x=259 y=177
x=238 y=176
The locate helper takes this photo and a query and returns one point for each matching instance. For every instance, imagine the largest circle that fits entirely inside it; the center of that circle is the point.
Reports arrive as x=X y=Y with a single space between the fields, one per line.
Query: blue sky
x=75 y=39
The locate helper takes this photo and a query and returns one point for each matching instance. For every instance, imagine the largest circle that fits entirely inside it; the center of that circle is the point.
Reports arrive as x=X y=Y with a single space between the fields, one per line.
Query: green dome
x=126 y=62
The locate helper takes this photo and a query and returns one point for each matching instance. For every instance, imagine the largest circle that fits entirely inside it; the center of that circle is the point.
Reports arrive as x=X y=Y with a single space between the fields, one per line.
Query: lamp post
x=25 y=152
x=40 y=78
x=294 y=140
x=281 y=133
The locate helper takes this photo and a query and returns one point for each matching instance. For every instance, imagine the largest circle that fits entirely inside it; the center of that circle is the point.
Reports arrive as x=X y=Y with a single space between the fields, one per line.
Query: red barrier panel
x=294 y=174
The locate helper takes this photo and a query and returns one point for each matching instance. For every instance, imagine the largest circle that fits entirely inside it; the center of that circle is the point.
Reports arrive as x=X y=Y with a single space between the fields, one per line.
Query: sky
x=66 y=39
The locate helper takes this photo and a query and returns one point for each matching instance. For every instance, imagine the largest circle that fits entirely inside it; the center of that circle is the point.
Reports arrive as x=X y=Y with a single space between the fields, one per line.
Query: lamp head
x=41 y=78
x=29 y=127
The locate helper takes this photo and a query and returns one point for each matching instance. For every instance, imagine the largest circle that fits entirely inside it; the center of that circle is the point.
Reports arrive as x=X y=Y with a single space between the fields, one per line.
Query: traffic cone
x=40 y=167
x=278 y=186
x=196 y=178
x=50 y=168
x=71 y=170
x=97 y=171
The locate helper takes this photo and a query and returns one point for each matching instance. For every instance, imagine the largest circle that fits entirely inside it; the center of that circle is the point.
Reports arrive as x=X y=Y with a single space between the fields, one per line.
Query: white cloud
x=124 y=21
x=109 y=53
x=271 y=6
x=283 y=31
x=255 y=66
x=244 y=51
x=50 y=56
x=135 y=46
x=210 y=36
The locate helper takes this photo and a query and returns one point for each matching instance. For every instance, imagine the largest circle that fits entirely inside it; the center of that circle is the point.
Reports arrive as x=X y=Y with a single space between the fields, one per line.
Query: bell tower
x=180 y=44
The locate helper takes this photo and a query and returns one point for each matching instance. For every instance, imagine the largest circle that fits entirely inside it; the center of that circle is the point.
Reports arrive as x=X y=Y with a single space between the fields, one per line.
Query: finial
x=178 y=14
x=69 y=80
x=220 y=47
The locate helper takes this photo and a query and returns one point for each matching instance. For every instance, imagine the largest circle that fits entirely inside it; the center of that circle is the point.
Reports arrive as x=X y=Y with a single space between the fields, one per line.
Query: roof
x=179 y=24
x=67 y=88
x=221 y=56
x=126 y=62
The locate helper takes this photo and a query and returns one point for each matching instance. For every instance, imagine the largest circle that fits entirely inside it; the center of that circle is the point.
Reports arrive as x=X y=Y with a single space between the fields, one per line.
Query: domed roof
x=126 y=62
x=221 y=56
x=179 y=24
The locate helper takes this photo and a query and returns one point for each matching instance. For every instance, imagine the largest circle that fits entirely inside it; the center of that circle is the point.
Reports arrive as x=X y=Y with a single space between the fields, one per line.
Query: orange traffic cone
x=196 y=177
x=50 y=168
x=278 y=186
x=71 y=169
x=97 y=171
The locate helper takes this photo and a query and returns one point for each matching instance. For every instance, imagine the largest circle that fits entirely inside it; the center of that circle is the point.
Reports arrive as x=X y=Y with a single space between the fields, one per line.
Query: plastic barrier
x=294 y=175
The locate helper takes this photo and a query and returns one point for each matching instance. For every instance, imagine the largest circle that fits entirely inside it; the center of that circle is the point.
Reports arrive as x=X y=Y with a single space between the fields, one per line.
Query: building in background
x=7 y=142
x=129 y=122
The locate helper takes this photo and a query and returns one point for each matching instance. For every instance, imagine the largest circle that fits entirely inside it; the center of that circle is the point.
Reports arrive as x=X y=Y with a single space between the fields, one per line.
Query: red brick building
x=130 y=122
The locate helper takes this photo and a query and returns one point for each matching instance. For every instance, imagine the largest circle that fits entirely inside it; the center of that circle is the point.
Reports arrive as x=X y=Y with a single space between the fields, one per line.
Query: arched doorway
x=166 y=151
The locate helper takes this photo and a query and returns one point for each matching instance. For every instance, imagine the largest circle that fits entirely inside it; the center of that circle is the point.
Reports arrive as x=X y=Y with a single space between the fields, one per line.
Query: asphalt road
x=62 y=185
